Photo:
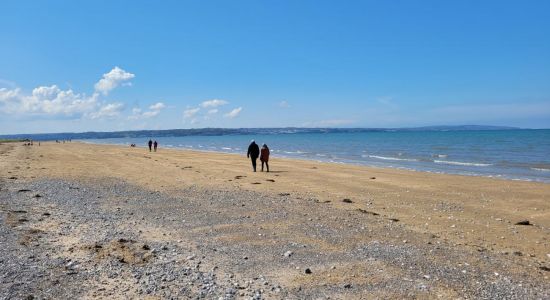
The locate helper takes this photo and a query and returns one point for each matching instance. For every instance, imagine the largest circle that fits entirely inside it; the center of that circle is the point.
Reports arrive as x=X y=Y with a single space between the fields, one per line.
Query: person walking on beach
x=253 y=153
x=150 y=145
x=264 y=156
x=155 y=145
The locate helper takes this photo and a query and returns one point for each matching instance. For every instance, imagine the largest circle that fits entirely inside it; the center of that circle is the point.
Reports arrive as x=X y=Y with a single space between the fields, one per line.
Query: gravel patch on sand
x=109 y=239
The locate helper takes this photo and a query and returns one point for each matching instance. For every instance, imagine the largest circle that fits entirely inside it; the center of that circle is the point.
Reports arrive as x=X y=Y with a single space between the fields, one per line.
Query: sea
x=507 y=154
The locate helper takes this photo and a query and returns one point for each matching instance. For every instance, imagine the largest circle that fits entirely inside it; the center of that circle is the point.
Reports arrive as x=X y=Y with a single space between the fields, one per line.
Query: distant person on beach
x=264 y=156
x=253 y=153
x=150 y=145
x=155 y=145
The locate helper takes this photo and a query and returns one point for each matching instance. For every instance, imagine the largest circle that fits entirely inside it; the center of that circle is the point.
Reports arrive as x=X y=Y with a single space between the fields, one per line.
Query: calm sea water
x=510 y=154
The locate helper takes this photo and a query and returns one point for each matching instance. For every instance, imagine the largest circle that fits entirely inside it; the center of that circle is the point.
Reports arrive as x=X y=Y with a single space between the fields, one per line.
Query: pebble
x=163 y=277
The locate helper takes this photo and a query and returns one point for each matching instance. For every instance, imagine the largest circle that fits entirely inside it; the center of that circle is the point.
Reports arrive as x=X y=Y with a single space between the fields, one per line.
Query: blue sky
x=119 y=65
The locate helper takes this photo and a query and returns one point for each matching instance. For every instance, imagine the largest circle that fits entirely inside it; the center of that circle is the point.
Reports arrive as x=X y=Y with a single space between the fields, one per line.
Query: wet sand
x=361 y=231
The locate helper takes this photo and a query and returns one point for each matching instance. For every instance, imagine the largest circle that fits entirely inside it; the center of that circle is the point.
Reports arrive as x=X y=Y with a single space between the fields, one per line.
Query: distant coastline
x=238 y=131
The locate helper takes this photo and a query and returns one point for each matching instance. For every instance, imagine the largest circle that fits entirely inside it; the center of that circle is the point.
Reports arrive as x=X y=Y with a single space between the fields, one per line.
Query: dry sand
x=466 y=214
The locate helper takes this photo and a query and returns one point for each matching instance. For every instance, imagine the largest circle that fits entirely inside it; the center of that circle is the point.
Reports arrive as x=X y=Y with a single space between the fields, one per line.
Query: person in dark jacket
x=264 y=156
x=253 y=153
x=155 y=145
x=150 y=145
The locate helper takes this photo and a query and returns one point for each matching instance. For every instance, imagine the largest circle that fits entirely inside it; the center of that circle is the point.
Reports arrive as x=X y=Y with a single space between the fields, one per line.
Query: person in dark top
x=253 y=153
x=264 y=156
x=150 y=145
x=155 y=145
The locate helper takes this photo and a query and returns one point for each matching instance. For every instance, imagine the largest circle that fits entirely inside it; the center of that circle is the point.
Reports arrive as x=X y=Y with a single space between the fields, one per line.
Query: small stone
x=347 y=286
x=288 y=254
x=524 y=222
x=308 y=271
x=346 y=200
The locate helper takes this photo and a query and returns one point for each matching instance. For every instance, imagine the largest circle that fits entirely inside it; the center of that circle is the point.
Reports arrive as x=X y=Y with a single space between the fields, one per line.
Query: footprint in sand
x=239 y=176
x=270 y=180
x=256 y=183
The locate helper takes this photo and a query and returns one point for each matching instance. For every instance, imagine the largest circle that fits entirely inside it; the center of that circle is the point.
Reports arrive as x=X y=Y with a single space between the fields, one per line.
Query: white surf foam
x=389 y=158
x=460 y=163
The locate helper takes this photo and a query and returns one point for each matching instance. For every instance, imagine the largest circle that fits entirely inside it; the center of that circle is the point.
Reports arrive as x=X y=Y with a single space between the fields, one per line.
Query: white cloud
x=157 y=106
x=234 y=113
x=190 y=112
x=7 y=94
x=284 y=104
x=154 y=110
x=213 y=103
x=113 y=79
x=110 y=111
x=52 y=101
x=213 y=111
x=47 y=100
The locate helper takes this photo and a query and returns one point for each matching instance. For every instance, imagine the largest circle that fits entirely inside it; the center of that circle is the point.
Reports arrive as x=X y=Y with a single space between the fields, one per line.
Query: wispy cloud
x=491 y=112
x=157 y=106
x=113 y=79
x=154 y=110
x=109 y=111
x=7 y=83
x=213 y=103
x=284 y=104
x=190 y=112
x=234 y=113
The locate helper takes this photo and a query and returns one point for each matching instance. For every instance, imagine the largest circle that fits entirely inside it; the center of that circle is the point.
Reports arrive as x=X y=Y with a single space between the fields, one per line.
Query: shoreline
x=360 y=164
x=360 y=231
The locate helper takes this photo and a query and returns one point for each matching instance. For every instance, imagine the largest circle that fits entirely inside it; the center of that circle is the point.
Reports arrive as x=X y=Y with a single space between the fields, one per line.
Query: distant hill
x=233 y=131
x=463 y=127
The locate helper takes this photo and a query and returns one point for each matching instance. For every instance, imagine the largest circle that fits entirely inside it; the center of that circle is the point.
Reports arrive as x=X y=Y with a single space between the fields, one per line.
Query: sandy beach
x=99 y=221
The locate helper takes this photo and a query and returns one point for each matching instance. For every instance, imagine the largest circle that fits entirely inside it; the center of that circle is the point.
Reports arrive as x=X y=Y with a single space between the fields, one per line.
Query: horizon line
x=289 y=127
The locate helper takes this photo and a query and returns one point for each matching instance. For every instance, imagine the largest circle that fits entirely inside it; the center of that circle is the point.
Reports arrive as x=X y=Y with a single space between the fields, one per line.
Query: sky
x=71 y=66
